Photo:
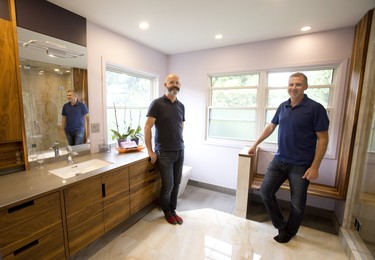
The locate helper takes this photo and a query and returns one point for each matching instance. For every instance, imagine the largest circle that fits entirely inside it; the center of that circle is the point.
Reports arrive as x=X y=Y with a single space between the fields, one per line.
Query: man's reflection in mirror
x=74 y=119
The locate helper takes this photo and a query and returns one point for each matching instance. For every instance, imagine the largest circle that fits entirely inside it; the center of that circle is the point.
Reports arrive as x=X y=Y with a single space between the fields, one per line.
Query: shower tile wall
x=44 y=94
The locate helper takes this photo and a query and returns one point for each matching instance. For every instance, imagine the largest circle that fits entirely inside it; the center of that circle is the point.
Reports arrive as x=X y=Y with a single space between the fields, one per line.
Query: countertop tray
x=129 y=150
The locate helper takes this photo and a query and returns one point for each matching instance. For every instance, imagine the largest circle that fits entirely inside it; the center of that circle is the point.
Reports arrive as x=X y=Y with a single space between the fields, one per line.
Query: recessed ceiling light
x=306 y=28
x=144 y=25
x=218 y=36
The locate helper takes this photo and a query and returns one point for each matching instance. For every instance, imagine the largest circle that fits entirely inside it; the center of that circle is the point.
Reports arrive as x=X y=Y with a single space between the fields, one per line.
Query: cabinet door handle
x=24 y=248
x=21 y=206
x=103 y=190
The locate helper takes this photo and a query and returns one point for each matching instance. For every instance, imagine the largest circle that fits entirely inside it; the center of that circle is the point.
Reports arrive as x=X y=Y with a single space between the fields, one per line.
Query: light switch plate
x=95 y=128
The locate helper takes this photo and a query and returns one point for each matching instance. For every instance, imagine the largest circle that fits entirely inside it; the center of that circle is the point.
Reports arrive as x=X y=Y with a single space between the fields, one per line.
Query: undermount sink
x=79 y=168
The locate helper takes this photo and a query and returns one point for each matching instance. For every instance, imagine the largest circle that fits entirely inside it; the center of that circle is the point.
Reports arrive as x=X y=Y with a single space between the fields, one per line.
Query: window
x=320 y=89
x=233 y=106
x=128 y=95
x=240 y=106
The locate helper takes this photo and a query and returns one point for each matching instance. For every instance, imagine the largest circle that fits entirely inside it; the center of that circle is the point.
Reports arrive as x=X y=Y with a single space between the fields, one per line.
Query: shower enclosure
x=44 y=90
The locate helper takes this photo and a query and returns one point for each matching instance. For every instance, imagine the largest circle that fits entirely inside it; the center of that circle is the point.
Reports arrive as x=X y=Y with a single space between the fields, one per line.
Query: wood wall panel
x=353 y=102
x=12 y=131
x=10 y=123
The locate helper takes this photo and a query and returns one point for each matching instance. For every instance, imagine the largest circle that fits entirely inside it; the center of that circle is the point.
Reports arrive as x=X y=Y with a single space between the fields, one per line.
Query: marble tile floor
x=208 y=233
x=196 y=197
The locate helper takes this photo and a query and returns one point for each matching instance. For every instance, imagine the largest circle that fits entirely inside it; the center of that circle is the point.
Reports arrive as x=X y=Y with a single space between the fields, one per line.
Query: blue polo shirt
x=75 y=116
x=297 y=137
x=168 y=124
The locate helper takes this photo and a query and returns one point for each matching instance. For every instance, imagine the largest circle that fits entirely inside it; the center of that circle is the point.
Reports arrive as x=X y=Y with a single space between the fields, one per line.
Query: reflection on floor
x=209 y=233
x=318 y=219
x=198 y=198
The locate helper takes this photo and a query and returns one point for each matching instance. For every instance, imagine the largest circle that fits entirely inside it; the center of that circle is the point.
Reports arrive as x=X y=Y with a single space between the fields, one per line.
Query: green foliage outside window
x=131 y=94
x=233 y=96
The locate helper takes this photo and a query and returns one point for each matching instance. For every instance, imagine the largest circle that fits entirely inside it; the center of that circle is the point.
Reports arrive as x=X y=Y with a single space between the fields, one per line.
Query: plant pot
x=119 y=141
x=135 y=139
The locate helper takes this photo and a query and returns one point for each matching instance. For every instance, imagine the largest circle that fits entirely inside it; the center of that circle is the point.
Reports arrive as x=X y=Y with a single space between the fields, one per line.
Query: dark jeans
x=74 y=137
x=170 y=165
x=276 y=174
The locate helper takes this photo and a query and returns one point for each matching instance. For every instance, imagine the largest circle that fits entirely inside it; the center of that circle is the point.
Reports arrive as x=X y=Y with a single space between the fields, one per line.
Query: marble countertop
x=25 y=185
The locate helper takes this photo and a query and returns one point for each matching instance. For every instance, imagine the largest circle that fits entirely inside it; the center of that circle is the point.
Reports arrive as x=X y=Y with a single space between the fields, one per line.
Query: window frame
x=129 y=71
x=227 y=141
x=335 y=105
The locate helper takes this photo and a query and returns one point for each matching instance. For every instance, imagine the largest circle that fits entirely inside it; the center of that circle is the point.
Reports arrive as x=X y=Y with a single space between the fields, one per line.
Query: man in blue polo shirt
x=167 y=114
x=302 y=143
x=74 y=119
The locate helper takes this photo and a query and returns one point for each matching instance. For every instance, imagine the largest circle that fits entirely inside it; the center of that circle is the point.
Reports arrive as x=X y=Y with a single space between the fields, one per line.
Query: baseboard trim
x=212 y=187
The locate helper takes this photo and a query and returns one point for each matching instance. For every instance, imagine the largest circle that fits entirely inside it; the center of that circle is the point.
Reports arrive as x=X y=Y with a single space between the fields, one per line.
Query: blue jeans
x=276 y=174
x=170 y=165
x=74 y=137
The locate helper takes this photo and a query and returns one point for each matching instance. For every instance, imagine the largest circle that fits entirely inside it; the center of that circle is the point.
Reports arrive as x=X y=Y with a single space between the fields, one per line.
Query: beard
x=173 y=91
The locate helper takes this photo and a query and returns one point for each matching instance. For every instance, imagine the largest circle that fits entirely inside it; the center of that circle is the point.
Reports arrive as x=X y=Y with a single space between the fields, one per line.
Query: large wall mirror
x=48 y=68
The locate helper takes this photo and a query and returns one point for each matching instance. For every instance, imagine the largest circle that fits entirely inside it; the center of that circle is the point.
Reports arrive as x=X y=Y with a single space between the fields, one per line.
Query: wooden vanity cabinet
x=84 y=217
x=95 y=206
x=116 y=197
x=145 y=185
x=33 y=230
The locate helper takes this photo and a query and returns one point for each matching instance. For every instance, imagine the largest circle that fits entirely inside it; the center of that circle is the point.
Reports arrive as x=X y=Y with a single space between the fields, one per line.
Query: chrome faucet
x=55 y=148
x=71 y=152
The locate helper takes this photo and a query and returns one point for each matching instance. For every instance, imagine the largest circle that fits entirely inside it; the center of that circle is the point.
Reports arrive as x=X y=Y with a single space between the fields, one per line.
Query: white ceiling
x=178 y=26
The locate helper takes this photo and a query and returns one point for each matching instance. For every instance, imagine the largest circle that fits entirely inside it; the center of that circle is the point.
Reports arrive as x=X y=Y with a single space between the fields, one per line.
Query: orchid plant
x=133 y=133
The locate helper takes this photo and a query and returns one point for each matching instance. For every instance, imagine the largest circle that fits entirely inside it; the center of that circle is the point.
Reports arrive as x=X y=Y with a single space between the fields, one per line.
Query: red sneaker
x=177 y=218
x=170 y=218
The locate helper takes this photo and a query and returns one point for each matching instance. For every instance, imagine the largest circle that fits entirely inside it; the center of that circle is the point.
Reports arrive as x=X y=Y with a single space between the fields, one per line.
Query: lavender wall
x=217 y=165
x=105 y=46
x=214 y=164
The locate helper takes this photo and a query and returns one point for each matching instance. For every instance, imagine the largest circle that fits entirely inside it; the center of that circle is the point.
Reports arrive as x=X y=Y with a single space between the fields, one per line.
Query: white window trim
x=105 y=63
x=336 y=122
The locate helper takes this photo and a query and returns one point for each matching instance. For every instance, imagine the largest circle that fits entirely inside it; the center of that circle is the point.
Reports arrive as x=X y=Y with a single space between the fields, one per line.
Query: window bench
x=248 y=179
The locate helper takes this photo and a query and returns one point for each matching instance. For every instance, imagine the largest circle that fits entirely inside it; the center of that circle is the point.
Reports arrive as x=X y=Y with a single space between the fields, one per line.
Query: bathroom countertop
x=25 y=185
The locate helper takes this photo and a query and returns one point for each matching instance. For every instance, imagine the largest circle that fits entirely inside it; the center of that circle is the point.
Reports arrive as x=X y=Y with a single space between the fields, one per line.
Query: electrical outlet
x=357 y=224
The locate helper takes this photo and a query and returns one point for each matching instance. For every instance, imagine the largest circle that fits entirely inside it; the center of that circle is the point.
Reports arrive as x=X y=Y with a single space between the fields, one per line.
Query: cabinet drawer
x=50 y=246
x=142 y=181
x=143 y=195
x=143 y=167
x=26 y=222
x=142 y=174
